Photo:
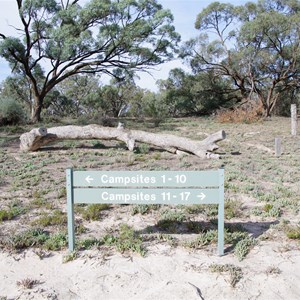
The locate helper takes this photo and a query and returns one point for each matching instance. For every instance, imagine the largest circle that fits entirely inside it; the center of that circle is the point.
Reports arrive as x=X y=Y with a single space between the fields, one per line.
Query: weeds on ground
x=172 y=241
x=56 y=242
x=196 y=227
x=89 y=243
x=28 y=283
x=273 y=270
x=70 y=256
x=35 y=237
x=239 y=239
x=56 y=218
x=127 y=240
x=93 y=212
x=203 y=239
x=143 y=208
x=40 y=202
x=142 y=149
x=169 y=219
x=292 y=232
x=243 y=247
x=15 y=209
x=235 y=273
x=232 y=209
x=268 y=210
x=209 y=210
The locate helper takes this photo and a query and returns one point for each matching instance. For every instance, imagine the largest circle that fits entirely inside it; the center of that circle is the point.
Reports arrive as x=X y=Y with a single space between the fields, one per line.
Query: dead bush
x=247 y=113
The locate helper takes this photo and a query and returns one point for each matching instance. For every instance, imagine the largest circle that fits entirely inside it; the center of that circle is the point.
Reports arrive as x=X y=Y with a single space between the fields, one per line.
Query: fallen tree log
x=39 y=137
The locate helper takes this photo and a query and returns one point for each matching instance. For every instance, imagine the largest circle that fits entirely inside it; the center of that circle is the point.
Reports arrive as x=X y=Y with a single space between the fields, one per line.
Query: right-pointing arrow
x=201 y=196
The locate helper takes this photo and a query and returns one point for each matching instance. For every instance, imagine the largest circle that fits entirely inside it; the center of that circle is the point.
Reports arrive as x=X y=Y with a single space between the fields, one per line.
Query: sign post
x=146 y=187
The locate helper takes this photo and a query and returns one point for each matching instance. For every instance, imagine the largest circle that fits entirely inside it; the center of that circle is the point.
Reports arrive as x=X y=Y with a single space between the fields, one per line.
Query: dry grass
x=256 y=183
x=244 y=114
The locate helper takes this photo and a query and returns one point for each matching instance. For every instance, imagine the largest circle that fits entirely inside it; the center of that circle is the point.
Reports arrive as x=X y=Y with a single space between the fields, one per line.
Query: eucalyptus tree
x=256 y=46
x=80 y=95
x=18 y=88
x=198 y=94
x=64 y=38
x=270 y=38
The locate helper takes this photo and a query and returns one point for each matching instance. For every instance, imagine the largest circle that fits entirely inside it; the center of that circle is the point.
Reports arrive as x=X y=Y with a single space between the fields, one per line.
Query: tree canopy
x=256 y=46
x=60 y=39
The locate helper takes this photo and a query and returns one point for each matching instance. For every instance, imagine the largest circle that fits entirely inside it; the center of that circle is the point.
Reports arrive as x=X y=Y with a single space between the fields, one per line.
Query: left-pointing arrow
x=89 y=179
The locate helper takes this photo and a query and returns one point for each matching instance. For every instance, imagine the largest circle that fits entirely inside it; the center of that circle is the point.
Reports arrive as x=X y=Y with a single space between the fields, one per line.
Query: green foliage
x=293 y=232
x=154 y=106
x=143 y=208
x=130 y=35
x=11 y=112
x=35 y=237
x=243 y=247
x=56 y=218
x=264 y=46
x=203 y=239
x=89 y=243
x=143 y=149
x=29 y=238
x=17 y=87
x=186 y=94
x=56 y=242
x=170 y=218
x=93 y=211
x=235 y=272
x=127 y=240
x=232 y=209
x=15 y=209
x=70 y=256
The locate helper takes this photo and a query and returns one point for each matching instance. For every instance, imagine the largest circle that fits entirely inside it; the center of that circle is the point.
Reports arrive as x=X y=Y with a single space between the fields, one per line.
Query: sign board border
x=71 y=188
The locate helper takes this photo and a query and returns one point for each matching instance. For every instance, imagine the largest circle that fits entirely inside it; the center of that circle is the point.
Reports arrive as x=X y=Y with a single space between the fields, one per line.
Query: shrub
x=293 y=232
x=93 y=211
x=235 y=272
x=154 y=107
x=127 y=240
x=30 y=238
x=11 y=112
x=243 y=247
x=56 y=218
x=169 y=220
x=250 y=113
x=56 y=241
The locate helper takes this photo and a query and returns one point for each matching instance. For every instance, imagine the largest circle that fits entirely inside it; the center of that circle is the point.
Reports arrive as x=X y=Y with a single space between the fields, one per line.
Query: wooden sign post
x=294 y=119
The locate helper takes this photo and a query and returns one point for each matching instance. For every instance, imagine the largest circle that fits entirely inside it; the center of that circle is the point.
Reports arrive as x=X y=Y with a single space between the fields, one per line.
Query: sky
x=184 y=12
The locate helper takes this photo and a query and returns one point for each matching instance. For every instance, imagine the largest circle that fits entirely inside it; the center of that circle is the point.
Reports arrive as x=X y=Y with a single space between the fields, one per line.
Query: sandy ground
x=165 y=273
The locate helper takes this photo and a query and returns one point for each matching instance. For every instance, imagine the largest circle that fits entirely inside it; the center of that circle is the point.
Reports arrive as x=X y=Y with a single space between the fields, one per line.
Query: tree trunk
x=37 y=109
x=38 y=137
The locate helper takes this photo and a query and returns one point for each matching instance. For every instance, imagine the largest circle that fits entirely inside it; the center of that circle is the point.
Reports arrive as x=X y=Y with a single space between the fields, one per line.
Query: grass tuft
x=235 y=273
x=127 y=240
x=93 y=211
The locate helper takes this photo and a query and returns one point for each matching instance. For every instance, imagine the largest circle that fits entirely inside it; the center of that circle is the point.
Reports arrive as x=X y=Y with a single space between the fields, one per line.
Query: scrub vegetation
x=258 y=186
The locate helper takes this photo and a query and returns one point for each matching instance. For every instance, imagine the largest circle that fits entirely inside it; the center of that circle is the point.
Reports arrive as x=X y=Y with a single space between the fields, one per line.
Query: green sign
x=145 y=178
x=146 y=187
x=146 y=196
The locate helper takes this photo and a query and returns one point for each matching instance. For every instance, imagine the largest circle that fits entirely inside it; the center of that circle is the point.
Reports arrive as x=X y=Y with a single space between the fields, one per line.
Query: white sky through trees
x=184 y=12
